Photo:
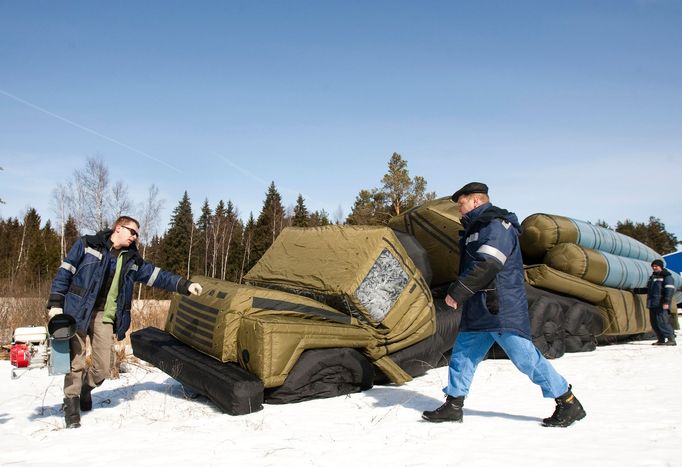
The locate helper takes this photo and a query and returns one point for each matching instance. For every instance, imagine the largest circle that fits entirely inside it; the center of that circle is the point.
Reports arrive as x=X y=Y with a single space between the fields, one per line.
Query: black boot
x=450 y=411
x=72 y=414
x=568 y=410
x=86 y=398
x=659 y=342
x=671 y=341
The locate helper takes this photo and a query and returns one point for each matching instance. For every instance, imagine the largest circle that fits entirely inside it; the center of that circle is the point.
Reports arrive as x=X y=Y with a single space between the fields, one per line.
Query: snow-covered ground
x=631 y=393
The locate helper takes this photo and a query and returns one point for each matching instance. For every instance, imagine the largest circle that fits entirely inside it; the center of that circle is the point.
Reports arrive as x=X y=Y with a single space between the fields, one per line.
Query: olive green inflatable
x=541 y=232
x=436 y=225
x=210 y=323
x=623 y=313
x=328 y=287
x=363 y=271
x=598 y=267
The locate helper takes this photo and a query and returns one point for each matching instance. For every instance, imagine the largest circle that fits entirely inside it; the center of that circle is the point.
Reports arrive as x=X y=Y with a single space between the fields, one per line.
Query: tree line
x=217 y=244
x=214 y=241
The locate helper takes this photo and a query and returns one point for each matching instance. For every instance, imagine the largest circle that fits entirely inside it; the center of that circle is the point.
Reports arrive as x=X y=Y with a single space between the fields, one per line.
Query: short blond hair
x=482 y=197
x=123 y=219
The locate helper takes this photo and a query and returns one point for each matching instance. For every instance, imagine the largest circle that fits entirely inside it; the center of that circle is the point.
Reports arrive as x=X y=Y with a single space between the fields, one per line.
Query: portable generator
x=39 y=347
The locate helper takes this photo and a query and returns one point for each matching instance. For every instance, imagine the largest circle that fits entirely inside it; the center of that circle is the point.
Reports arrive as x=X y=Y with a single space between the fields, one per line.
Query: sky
x=627 y=390
x=570 y=108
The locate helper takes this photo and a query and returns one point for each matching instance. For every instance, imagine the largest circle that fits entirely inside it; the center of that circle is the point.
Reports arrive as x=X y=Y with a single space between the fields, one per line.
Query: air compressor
x=39 y=347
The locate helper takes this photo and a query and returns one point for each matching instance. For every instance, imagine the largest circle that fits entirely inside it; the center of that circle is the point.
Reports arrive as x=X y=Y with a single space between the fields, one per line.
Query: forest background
x=214 y=241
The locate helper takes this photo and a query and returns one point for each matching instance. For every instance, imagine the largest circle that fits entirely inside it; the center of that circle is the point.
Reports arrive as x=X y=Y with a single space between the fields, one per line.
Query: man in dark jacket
x=94 y=285
x=660 y=289
x=491 y=292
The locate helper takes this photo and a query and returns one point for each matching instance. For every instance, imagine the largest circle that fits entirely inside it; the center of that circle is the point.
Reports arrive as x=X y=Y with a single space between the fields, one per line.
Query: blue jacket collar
x=470 y=216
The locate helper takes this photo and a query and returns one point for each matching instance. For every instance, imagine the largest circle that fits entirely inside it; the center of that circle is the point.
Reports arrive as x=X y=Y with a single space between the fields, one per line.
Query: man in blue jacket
x=94 y=285
x=490 y=289
x=659 y=289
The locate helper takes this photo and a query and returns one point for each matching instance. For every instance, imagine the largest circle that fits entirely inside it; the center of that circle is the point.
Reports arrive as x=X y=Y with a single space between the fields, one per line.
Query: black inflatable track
x=321 y=373
x=233 y=389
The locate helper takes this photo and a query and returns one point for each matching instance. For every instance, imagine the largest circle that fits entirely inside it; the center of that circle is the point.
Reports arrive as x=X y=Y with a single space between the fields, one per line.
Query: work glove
x=54 y=311
x=195 y=288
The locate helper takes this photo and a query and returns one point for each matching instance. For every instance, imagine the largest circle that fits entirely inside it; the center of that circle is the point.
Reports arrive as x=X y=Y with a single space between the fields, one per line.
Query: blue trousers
x=471 y=347
x=660 y=321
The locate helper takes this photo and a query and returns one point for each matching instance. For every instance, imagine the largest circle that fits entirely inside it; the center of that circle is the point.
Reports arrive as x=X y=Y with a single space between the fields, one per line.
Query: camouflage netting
x=382 y=286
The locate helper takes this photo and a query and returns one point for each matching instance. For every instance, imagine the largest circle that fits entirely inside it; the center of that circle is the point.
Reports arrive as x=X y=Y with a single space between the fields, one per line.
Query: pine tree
x=234 y=261
x=31 y=256
x=402 y=192
x=177 y=244
x=217 y=232
x=301 y=217
x=71 y=234
x=10 y=239
x=652 y=234
x=247 y=247
x=203 y=227
x=231 y=239
x=399 y=192
x=52 y=252
x=319 y=219
x=397 y=183
x=369 y=209
x=269 y=224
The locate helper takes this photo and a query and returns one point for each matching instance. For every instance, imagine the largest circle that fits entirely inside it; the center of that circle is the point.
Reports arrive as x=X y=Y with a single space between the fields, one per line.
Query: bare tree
x=216 y=229
x=149 y=216
x=63 y=205
x=91 y=186
x=119 y=203
x=96 y=203
x=232 y=221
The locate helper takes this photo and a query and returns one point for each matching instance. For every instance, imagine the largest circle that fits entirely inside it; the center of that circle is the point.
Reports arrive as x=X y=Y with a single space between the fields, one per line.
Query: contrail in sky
x=90 y=130
x=256 y=177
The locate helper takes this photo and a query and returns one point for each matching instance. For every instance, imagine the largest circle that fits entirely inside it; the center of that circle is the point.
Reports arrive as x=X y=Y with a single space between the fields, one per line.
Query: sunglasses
x=133 y=232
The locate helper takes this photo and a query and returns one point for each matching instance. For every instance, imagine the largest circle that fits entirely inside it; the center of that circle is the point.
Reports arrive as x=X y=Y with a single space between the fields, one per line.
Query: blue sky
x=571 y=108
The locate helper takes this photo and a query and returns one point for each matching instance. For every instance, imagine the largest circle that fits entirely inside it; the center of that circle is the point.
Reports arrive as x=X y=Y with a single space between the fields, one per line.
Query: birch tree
x=149 y=216
x=96 y=202
x=62 y=199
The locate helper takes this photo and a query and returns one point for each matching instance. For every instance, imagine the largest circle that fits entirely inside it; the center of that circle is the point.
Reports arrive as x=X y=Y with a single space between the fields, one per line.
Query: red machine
x=19 y=355
x=39 y=347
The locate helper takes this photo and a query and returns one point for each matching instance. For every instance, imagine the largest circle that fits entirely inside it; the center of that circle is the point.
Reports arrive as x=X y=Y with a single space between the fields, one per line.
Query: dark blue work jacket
x=659 y=289
x=81 y=275
x=490 y=286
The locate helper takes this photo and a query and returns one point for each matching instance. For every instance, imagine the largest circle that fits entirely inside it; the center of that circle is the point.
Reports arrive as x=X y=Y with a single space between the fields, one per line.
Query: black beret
x=469 y=188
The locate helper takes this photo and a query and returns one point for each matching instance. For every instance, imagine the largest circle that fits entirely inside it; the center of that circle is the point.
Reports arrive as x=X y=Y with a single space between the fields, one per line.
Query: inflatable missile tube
x=541 y=232
x=598 y=267
x=593 y=264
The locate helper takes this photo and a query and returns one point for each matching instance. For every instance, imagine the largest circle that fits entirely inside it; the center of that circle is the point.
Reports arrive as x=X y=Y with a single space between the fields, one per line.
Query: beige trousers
x=100 y=335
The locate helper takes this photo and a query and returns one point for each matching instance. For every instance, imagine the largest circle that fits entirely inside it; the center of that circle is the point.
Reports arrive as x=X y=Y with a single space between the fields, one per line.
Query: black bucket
x=61 y=327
